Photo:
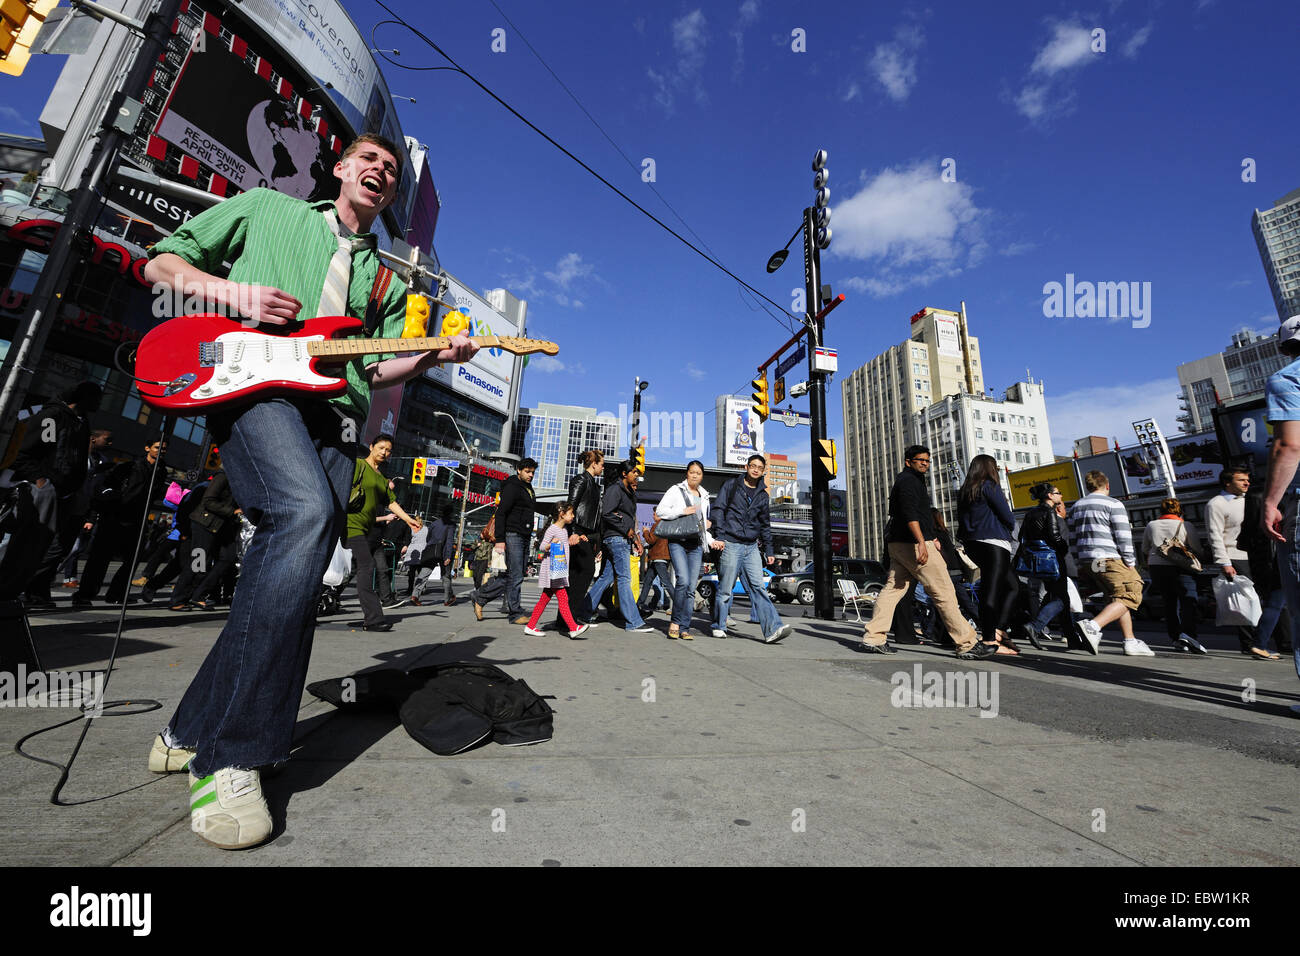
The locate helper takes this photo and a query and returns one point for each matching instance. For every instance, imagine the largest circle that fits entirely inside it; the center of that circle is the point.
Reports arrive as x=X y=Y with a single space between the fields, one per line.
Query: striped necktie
x=334 y=296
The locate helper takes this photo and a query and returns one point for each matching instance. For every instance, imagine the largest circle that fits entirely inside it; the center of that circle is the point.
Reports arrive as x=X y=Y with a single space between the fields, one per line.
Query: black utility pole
x=71 y=243
x=824 y=603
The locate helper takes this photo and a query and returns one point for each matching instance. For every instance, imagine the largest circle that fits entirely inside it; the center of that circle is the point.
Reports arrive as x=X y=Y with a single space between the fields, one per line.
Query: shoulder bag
x=1175 y=551
x=682 y=528
x=357 y=500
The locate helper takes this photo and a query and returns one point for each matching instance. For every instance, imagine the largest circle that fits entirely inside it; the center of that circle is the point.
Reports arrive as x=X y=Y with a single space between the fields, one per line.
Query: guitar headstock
x=517 y=346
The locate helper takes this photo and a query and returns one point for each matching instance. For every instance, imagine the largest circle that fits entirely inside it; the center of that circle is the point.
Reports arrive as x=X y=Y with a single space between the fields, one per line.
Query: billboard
x=1059 y=473
x=1197 y=461
x=486 y=378
x=1110 y=465
x=742 y=432
x=1244 y=433
x=949 y=340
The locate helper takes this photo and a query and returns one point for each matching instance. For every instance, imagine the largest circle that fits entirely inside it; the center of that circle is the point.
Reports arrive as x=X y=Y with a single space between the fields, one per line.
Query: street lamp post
x=635 y=434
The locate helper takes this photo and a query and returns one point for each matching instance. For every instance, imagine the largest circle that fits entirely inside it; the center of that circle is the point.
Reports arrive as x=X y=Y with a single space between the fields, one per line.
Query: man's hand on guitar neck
x=396 y=370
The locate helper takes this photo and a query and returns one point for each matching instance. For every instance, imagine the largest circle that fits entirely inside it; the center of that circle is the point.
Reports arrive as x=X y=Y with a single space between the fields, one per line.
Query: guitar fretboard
x=345 y=348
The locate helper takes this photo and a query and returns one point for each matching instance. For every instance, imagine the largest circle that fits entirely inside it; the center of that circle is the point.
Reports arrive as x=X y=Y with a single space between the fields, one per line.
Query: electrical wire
x=628 y=199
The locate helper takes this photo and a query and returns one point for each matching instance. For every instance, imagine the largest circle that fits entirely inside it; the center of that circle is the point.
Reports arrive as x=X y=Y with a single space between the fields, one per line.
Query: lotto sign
x=417 y=472
x=826 y=360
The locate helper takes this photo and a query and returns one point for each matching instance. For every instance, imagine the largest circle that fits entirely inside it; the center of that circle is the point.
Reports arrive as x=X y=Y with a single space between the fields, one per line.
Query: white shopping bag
x=1237 y=601
x=1076 y=602
x=340 y=566
x=437 y=574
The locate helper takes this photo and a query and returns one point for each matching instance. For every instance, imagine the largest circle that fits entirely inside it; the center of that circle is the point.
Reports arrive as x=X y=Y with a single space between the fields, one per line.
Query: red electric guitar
x=198 y=362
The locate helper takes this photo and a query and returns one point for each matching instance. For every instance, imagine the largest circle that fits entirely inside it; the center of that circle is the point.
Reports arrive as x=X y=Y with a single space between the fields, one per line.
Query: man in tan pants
x=914 y=556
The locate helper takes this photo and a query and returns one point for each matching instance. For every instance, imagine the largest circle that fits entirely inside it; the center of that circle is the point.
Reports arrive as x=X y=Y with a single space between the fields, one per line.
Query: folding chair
x=849 y=592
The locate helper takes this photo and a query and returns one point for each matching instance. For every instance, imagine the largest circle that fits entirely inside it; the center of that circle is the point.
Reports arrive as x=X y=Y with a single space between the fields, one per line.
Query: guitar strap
x=377 y=292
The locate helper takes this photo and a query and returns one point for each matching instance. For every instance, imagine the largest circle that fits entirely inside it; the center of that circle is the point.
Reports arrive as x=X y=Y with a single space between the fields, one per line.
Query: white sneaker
x=228 y=810
x=164 y=759
x=643 y=629
x=1136 y=648
x=719 y=632
x=732 y=622
x=785 y=630
x=1090 y=633
x=577 y=635
x=533 y=632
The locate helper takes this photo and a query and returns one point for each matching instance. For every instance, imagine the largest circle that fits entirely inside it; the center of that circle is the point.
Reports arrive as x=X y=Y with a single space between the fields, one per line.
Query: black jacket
x=217 y=509
x=617 y=510
x=584 y=493
x=740 y=514
x=1044 y=524
x=440 y=545
x=518 y=505
x=909 y=500
x=54 y=447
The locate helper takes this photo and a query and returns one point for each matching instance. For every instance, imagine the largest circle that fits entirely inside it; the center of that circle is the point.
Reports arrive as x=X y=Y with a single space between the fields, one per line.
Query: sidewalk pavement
x=707 y=752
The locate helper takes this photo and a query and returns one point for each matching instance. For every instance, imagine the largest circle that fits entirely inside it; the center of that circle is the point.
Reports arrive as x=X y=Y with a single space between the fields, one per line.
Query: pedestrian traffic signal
x=759 y=398
x=417 y=471
x=20 y=21
x=638 y=455
x=824 y=460
x=213 y=462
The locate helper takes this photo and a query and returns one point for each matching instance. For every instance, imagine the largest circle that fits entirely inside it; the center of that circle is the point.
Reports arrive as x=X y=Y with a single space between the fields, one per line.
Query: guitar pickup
x=210 y=354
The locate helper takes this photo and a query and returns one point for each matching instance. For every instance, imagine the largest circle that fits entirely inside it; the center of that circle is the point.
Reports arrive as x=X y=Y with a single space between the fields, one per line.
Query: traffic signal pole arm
x=802 y=332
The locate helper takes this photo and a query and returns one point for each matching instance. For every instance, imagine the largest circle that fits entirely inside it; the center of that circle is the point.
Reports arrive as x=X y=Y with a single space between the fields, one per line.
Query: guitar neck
x=346 y=348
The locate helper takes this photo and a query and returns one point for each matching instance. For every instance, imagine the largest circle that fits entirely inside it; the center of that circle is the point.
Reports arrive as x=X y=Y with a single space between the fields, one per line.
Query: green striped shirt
x=275 y=240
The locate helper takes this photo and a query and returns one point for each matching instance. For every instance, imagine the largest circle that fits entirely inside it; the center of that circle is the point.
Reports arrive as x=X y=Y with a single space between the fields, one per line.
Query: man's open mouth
x=372 y=184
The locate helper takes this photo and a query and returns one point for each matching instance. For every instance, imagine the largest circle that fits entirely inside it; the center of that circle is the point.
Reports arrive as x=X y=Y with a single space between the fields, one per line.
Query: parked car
x=800 y=586
x=708 y=585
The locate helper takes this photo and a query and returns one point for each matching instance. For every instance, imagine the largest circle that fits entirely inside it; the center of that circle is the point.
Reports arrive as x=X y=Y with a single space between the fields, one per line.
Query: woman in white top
x=1177 y=585
x=686 y=498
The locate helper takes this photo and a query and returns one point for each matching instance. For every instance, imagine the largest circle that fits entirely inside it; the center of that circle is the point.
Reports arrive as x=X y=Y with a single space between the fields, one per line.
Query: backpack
x=448 y=708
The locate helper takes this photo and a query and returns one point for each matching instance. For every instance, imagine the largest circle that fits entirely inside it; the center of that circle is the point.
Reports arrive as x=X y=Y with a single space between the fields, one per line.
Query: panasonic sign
x=471 y=378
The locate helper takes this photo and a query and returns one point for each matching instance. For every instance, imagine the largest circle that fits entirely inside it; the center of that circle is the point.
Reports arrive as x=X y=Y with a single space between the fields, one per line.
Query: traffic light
x=759 y=398
x=638 y=455
x=417 y=471
x=214 y=459
x=824 y=461
x=20 y=21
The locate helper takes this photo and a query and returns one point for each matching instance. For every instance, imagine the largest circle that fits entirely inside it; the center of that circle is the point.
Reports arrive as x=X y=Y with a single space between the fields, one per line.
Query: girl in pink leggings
x=554 y=575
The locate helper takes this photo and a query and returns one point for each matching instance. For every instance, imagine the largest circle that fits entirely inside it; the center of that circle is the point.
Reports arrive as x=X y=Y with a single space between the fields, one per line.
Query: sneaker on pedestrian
x=732 y=622
x=1034 y=636
x=228 y=810
x=782 y=632
x=884 y=648
x=578 y=634
x=1133 y=647
x=981 y=651
x=164 y=759
x=1090 y=634
x=1189 y=645
x=643 y=629
x=534 y=632
x=719 y=632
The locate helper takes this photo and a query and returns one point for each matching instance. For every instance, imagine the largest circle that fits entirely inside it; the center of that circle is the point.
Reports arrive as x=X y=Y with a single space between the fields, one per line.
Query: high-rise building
x=556 y=436
x=1277 y=233
x=956 y=428
x=881 y=402
x=1239 y=371
x=781 y=472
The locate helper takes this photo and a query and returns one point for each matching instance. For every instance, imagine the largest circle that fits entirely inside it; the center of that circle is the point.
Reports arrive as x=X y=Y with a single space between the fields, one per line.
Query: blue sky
x=1122 y=165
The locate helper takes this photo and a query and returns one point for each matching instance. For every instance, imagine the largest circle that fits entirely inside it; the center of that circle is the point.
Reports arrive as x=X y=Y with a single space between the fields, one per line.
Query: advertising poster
x=1059 y=473
x=1108 y=463
x=1244 y=433
x=1197 y=461
x=949 y=339
x=486 y=378
x=742 y=431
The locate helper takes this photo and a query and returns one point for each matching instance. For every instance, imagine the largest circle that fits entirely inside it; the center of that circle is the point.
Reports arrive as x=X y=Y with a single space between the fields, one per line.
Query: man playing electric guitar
x=289 y=461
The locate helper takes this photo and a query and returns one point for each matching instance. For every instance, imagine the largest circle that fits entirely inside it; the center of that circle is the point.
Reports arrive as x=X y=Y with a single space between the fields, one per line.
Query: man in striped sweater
x=1103 y=551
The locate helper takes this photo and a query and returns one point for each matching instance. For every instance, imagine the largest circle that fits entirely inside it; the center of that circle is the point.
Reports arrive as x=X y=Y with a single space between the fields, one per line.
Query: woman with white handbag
x=1172 y=552
x=683 y=515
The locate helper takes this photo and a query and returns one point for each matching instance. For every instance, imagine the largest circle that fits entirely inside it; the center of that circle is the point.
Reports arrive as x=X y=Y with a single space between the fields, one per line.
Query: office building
x=1277 y=233
x=1239 y=371
x=781 y=472
x=556 y=436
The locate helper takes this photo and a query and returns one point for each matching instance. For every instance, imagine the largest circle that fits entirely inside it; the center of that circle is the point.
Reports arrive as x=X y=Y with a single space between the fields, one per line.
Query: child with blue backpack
x=553 y=576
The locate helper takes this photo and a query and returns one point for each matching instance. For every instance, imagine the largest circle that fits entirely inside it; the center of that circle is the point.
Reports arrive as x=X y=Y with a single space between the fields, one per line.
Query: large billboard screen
x=742 y=432
x=1060 y=474
x=486 y=378
x=1197 y=461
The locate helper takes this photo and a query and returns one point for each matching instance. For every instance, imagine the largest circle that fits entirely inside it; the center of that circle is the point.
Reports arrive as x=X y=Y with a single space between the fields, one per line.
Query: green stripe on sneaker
x=203 y=801
x=198 y=784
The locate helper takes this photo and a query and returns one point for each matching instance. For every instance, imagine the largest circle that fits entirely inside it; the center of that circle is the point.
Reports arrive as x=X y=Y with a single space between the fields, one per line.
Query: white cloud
x=747 y=14
x=894 y=64
x=1110 y=411
x=13 y=116
x=1136 y=41
x=1017 y=248
x=698 y=374
x=521 y=277
x=913 y=227
x=854 y=92
x=1070 y=46
x=690 y=37
x=570 y=267
x=545 y=363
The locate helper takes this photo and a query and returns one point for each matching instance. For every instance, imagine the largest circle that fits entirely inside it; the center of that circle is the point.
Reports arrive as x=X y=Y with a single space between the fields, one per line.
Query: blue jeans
x=617 y=565
x=686 y=566
x=1288 y=564
x=746 y=561
x=290 y=470
x=516 y=562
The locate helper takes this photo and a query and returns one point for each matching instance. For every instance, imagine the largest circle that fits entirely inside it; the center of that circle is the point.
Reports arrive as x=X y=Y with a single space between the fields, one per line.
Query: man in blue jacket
x=741 y=521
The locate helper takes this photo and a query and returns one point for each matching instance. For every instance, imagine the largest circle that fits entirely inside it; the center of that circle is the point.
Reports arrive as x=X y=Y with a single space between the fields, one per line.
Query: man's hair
x=383 y=436
x=100 y=431
x=911 y=451
x=750 y=460
x=83 y=394
x=1095 y=481
x=1225 y=476
x=526 y=463
x=374 y=139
